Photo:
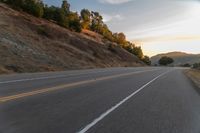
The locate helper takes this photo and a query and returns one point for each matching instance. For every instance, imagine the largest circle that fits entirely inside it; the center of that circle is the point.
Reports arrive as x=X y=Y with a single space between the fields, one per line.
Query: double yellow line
x=41 y=91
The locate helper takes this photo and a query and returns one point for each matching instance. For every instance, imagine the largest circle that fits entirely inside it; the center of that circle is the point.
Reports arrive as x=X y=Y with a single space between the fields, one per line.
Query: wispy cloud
x=168 y=38
x=109 y=18
x=114 y=1
x=125 y=1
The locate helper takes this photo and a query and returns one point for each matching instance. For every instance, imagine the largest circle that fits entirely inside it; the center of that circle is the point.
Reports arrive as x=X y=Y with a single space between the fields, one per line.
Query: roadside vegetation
x=164 y=61
x=74 y=21
x=194 y=73
x=196 y=66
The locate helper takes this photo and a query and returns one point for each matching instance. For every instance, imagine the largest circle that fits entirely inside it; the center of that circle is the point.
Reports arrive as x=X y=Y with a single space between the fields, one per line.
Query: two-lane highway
x=117 y=100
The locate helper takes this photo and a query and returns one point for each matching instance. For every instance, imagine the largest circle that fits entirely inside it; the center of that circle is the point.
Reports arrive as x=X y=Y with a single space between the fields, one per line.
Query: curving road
x=115 y=100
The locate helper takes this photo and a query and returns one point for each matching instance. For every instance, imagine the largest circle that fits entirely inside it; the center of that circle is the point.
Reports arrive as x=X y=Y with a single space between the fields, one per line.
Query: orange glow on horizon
x=166 y=39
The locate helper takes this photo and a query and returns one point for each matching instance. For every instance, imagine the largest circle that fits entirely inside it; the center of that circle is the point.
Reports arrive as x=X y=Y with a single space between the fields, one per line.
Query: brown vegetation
x=194 y=75
x=30 y=44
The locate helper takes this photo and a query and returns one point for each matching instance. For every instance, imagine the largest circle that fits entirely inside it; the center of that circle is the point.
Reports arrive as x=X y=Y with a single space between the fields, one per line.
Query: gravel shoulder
x=194 y=75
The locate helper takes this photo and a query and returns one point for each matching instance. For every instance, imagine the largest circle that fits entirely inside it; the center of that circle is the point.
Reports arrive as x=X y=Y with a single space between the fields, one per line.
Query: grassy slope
x=194 y=75
x=29 y=44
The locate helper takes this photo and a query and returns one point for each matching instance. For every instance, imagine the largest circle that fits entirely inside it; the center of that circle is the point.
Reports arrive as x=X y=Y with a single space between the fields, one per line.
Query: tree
x=49 y=12
x=85 y=15
x=74 y=22
x=138 y=52
x=60 y=18
x=39 y=10
x=119 y=38
x=66 y=7
x=16 y=4
x=107 y=33
x=146 y=60
x=85 y=18
x=97 y=22
x=165 y=61
x=33 y=7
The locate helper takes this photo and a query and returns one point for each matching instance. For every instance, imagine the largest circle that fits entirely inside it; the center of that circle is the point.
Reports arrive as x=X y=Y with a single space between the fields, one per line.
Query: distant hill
x=180 y=58
x=30 y=44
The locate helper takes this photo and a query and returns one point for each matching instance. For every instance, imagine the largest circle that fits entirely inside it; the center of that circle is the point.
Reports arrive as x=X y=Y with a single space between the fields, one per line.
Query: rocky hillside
x=29 y=44
x=180 y=58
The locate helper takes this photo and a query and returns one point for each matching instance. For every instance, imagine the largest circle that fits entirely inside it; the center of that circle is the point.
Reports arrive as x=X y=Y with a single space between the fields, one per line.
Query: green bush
x=165 y=61
x=196 y=65
x=146 y=60
x=74 y=22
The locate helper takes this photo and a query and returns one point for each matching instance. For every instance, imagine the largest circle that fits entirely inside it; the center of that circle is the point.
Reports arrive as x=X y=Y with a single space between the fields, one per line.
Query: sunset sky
x=157 y=25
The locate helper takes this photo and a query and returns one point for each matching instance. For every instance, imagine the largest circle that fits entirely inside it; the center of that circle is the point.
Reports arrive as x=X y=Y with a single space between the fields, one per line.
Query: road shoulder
x=194 y=76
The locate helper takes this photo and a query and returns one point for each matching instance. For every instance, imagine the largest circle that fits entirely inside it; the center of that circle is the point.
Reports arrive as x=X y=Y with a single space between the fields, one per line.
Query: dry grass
x=29 y=44
x=3 y=70
x=194 y=75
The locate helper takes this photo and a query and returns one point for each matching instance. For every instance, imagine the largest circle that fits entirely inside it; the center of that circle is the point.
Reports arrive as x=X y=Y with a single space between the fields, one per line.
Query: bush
x=146 y=60
x=165 y=61
x=42 y=31
x=33 y=7
x=74 y=22
x=186 y=65
x=196 y=66
x=16 y=4
x=111 y=47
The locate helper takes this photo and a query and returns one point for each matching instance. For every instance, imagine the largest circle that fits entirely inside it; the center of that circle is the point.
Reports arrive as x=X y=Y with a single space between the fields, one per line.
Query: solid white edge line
x=85 y=129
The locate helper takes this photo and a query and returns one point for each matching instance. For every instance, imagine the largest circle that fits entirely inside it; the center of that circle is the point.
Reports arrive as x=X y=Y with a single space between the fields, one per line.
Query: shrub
x=42 y=31
x=165 y=61
x=186 y=65
x=74 y=22
x=111 y=47
x=146 y=60
x=196 y=66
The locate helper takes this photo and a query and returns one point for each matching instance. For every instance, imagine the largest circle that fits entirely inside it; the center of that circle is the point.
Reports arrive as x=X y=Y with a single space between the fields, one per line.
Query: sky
x=158 y=26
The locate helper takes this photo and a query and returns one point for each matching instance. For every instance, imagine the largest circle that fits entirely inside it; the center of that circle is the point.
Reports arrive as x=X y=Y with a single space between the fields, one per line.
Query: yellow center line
x=40 y=91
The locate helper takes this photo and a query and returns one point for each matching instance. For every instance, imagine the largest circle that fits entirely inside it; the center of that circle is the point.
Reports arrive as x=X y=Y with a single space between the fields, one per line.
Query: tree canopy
x=146 y=60
x=85 y=18
x=165 y=61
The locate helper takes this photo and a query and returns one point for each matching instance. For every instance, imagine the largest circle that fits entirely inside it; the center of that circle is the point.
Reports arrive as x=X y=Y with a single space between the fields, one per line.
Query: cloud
x=109 y=18
x=114 y=1
x=168 y=38
x=125 y=1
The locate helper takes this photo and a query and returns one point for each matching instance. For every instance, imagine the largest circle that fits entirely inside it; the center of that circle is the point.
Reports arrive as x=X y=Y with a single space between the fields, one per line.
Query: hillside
x=180 y=58
x=29 y=44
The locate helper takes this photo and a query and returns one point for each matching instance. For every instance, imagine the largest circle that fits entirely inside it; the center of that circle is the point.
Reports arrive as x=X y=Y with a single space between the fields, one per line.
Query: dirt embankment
x=29 y=44
x=194 y=75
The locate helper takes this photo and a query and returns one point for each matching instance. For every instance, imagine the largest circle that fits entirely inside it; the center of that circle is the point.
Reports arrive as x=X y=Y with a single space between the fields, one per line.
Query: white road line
x=49 y=77
x=93 y=123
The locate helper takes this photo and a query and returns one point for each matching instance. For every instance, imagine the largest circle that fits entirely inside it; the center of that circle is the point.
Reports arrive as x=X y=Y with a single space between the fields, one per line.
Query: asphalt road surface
x=117 y=100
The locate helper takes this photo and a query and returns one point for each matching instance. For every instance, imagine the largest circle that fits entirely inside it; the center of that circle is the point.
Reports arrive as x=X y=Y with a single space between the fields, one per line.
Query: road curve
x=115 y=100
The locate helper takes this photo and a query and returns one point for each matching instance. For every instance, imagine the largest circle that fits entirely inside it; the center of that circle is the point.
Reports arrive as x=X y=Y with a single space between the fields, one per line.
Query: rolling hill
x=30 y=44
x=180 y=58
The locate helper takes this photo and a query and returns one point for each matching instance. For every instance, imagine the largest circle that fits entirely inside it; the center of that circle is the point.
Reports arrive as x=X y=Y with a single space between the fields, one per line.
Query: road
x=115 y=100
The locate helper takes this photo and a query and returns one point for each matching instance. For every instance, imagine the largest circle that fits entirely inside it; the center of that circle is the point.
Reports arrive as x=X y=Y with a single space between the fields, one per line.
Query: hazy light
x=179 y=35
